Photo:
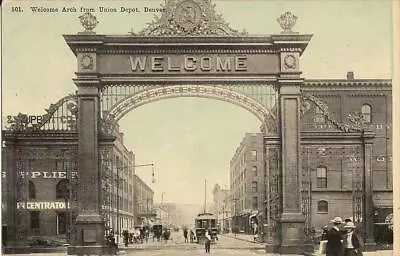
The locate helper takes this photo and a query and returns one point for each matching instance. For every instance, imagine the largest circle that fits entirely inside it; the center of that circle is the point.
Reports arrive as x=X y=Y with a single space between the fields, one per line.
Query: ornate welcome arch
x=189 y=52
x=125 y=105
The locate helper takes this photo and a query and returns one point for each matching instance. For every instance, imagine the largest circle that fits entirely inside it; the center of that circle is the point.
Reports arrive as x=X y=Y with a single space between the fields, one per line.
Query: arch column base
x=272 y=248
x=292 y=230
x=89 y=235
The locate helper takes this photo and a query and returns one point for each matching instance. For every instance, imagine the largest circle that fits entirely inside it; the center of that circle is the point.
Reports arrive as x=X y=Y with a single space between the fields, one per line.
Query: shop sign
x=41 y=205
x=45 y=175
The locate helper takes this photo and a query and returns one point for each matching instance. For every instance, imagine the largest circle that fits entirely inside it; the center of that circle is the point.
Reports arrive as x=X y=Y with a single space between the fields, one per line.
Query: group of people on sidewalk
x=341 y=239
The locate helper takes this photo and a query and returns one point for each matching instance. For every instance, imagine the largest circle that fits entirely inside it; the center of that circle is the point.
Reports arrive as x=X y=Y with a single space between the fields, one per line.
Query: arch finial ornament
x=189 y=18
x=88 y=21
x=287 y=21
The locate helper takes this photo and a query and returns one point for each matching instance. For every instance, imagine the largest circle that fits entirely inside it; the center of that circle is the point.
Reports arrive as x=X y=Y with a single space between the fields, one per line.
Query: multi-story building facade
x=40 y=178
x=247 y=182
x=222 y=206
x=118 y=186
x=332 y=175
x=332 y=164
x=144 y=196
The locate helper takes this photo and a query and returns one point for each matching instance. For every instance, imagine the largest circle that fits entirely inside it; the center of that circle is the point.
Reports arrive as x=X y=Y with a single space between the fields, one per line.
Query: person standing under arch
x=334 y=246
x=351 y=242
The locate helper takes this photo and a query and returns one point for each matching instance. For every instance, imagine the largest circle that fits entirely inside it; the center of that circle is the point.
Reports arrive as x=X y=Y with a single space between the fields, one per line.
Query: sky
x=188 y=139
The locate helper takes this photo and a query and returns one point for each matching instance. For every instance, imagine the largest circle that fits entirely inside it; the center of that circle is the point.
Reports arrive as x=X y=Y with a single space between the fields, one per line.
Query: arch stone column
x=292 y=221
x=89 y=223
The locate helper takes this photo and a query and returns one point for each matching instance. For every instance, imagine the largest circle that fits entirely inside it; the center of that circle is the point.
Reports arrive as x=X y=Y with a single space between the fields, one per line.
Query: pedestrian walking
x=192 y=236
x=185 y=235
x=125 y=234
x=334 y=246
x=207 y=241
x=351 y=242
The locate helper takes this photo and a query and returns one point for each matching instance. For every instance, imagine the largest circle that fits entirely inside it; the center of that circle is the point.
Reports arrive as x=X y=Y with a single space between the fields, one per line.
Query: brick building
x=332 y=171
x=247 y=177
x=40 y=163
x=332 y=163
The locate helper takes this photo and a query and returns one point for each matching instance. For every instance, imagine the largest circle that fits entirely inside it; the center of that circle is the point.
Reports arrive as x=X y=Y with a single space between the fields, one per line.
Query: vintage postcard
x=188 y=127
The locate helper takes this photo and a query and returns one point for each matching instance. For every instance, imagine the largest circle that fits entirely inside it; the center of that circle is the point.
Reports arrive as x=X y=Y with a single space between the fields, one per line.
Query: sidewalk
x=250 y=238
x=242 y=237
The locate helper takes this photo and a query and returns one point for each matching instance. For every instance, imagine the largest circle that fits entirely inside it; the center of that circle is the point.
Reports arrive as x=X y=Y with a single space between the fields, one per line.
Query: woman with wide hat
x=351 y=241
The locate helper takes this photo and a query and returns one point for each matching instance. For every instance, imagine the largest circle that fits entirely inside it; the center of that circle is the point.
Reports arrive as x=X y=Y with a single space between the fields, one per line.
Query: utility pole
x=205 y=195
x=161 y=206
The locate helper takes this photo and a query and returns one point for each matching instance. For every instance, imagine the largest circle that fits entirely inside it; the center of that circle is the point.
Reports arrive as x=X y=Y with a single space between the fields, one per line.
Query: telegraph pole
x=205 y=195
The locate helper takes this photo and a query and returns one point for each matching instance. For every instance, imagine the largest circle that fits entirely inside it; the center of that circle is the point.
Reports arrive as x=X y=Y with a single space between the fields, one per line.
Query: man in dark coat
x=351 y=241
x=185 y=235
x=334 y=246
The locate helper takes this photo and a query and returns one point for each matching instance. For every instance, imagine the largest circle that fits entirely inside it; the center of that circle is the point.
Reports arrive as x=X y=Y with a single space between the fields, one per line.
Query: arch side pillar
x=368 y=204
x=292 y=220
x=89 y=223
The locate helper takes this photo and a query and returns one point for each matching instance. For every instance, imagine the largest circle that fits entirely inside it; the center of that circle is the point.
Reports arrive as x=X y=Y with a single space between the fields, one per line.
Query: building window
x=254 y=170
x=32 y=190
x=319 y=116
x=254 y=155
x=35 y=219
x=322 y=206
x=62 y=189
x=58 y=164
x=254 y=186
x=61 y=223
x=321 y=177
x=366 y=113
x=255 y=203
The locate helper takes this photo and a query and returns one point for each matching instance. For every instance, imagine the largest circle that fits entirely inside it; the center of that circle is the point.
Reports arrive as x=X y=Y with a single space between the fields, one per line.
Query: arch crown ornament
x=189 y=18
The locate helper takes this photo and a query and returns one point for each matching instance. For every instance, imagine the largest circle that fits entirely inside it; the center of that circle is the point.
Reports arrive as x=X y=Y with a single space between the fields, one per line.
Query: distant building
x=144 y=209
x=222 y=206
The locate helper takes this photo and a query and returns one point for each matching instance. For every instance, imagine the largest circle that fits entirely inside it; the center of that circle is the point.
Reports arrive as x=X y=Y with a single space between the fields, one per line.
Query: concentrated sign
x=41 y=205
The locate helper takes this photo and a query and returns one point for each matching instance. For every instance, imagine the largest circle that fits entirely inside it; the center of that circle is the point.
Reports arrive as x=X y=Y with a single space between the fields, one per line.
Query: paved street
x=195 y=252
x=227 y=245
x=178 y=242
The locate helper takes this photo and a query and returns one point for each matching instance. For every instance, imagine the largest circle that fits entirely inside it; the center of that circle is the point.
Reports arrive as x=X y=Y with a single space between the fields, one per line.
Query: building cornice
x=123 y=44
x=347 y=83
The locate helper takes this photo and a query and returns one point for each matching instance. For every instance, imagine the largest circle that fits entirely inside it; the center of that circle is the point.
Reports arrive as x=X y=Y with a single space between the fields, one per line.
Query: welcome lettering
x=188 y=64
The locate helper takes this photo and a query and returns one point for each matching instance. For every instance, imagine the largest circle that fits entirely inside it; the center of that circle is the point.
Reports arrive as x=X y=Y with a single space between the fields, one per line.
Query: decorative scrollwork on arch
x=59 y=116
x=266 y=116
x=353 y=124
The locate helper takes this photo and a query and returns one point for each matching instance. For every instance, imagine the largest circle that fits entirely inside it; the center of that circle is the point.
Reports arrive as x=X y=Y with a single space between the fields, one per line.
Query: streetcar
x=206 y=221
